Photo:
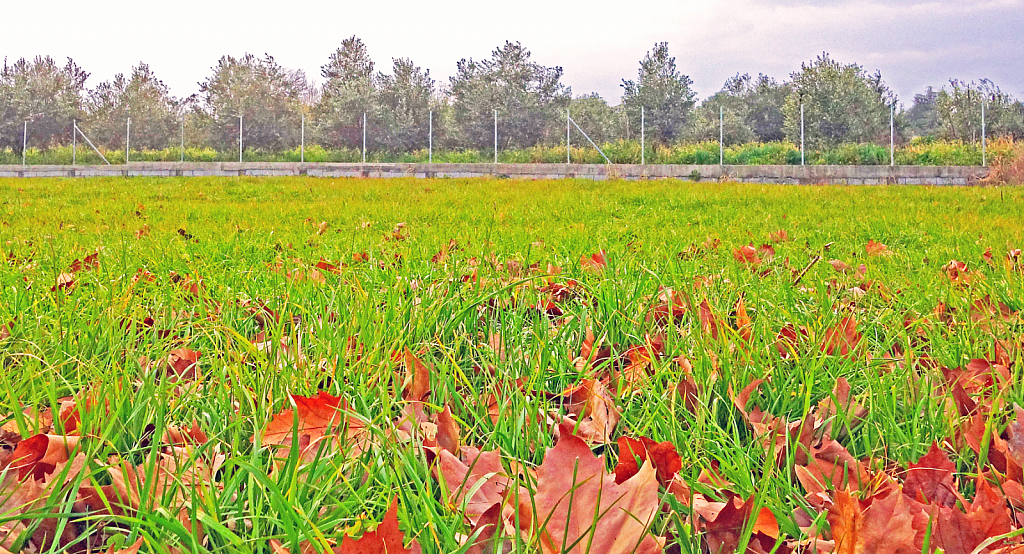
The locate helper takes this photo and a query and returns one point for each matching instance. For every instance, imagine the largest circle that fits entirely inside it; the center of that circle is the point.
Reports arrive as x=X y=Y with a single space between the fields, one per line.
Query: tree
x=842 y=103
x=143 y=98
x=922 y=119
x=528 y=97
x=959 y=108
x=349 y=91
x=762 y=99
x=662 y=92
x=405 y=100
x=48 y=96
x=592 y=113
x=266 y=95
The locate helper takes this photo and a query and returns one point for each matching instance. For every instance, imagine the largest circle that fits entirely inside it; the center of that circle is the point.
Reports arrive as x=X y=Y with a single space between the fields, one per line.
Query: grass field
x=265 y=365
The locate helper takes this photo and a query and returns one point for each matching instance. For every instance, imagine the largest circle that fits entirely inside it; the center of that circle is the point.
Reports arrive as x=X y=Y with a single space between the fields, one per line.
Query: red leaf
x=931 y=479
x=843 y=339
x=573 y=490
x=662 y=455
x=385 y=539
x=594 y=262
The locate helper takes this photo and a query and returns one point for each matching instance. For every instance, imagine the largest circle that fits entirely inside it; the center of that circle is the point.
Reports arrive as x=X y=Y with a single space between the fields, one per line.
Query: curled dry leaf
x=594 y=262
x=634 y=452
x=594 y=410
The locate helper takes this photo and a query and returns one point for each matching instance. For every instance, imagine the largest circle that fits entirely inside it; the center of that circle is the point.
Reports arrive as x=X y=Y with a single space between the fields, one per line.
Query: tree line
x=271 y=106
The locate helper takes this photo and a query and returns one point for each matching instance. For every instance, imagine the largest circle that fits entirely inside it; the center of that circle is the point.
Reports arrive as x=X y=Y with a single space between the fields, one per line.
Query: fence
x=376 y=142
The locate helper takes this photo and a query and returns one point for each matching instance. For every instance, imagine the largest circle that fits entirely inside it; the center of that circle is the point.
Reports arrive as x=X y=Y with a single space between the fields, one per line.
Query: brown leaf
x=417 y=378
x=747 y=255
x=319 y=418
x=634 y=452
x=840 y=404
x=385 y=539
x=931 y=479
x=594 y=409
x=447 y=431
x=481 y=474
x=876 y=249
x=843 y=339
x=594 y=262
x=886 y=525
x=724 y=530
x=130 y=549
x=573 y=490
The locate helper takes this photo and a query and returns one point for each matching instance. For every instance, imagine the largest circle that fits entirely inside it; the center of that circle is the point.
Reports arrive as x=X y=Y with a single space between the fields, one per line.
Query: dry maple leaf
x=580 y=508
x=416 y=385
x=634 y=452
x=747 y=255
x=39 y=455
x=385 y=539
x=885 y=525
x=475 y=482
x=744 y=325
x=843 y=339
x=319 y=418
x=930 y=480
x=594 y=262
x=130 y=549
x=842 y=405
x=724 y=531
x=876 y=248
x=594 y=408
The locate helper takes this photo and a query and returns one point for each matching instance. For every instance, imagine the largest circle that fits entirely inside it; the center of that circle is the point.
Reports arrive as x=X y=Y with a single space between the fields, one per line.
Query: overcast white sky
x=598 y=43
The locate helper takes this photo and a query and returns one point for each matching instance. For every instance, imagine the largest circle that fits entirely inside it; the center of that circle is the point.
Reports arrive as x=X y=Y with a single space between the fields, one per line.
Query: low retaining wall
x=791 y=174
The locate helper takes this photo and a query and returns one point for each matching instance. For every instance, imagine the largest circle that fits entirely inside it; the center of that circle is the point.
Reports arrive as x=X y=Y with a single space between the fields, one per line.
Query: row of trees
x=841 y=103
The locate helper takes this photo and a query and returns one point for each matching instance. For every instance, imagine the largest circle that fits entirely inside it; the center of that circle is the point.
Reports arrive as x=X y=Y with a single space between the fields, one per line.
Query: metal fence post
x=495 y=136
x=240 y=138
x=74 y=142
x=721 y=135
x=568 y=118
x=24 y=142
x=892 y=135
x=801 y=134
x=182 y=139
x=642 y=160
x=984 y=160
x=127 y=140
x=430 y=138
x=302 y=147
x=364 y=137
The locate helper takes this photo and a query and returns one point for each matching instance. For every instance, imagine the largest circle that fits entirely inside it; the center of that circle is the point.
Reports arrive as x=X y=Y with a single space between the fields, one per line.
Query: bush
x=919 y=151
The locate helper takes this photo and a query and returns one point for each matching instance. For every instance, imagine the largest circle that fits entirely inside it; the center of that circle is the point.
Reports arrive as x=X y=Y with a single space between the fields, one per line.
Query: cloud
x=598 y=43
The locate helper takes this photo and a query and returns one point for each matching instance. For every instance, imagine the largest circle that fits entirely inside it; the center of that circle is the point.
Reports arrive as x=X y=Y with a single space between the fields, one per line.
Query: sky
x=597 y=43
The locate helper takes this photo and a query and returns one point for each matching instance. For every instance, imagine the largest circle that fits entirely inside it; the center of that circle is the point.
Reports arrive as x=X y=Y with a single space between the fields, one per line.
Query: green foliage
x=265 y=94
x=960 y=105
x=919 y=151
x=143 y=98
x=348 y=93
x=841 y=103
x=46 y=95
x=664 y=95
x=528 y=97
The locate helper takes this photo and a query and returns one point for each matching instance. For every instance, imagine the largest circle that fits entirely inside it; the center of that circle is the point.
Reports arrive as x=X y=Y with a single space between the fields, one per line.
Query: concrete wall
x=791 y=174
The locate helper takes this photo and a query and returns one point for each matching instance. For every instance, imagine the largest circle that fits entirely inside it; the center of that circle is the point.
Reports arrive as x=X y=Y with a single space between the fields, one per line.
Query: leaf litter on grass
x=432 y=400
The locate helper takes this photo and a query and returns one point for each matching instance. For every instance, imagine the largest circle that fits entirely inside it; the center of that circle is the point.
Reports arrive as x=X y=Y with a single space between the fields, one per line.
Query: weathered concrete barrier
x=788 y=174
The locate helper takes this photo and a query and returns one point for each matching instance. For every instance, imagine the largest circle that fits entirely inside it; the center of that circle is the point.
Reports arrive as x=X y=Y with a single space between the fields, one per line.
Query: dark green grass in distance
x=241 y=228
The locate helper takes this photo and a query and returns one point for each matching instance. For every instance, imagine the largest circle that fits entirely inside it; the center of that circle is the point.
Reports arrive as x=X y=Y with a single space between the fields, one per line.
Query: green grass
x=82 y=340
